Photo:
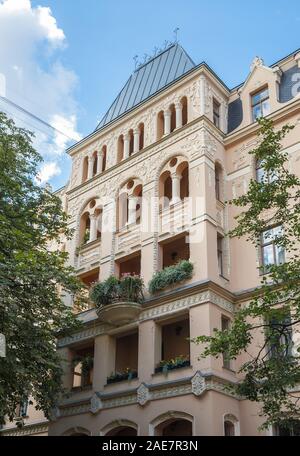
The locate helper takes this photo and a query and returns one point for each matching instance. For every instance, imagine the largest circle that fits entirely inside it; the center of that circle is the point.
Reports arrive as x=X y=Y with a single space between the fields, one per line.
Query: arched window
x=85 y=169
x=160 y=125
x=104 y=158
x=120 y=149
x=131 y=142
x=85 y=224
x=95 y=163
x=141 y=136
x=218 y=182
x=90 y=223
x=130 y=203
x=174 y=181
x=184 y=110
x=173 y=117
x=231 y=426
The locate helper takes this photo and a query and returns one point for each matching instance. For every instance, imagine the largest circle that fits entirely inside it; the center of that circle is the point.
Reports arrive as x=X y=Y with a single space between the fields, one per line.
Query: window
x=218 y=173
x=272 y=252
x=280 y=344
x=290 y=429
x=225 y=325
x=21 y=410
x=262 y=175
x=228 y=429
x=260 y=104
x=220 y=241
x=216 y=113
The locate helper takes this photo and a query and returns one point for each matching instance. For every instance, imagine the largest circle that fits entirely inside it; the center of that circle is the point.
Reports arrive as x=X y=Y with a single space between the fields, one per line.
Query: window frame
x=259 y=102
x=227 y=364
x=216 y=113
x=264 y=244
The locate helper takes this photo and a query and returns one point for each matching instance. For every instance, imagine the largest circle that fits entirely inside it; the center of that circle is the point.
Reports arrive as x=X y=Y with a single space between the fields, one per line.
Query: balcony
x=174 y=218
x=118 y=301
x=88 y=255
x=128 y=237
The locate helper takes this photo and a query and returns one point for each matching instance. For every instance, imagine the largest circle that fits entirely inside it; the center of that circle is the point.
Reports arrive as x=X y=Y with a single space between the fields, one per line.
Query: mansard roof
x=148 y=79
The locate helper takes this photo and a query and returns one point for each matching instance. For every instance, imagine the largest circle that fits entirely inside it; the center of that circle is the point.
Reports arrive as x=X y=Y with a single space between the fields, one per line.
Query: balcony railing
x=88 y=254
x=174 y=218
x=128 y=236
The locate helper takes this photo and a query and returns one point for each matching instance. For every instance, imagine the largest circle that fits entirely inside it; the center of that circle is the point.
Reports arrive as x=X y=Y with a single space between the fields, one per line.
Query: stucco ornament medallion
x=96 y=404
x=143 y=395
x=198 y=384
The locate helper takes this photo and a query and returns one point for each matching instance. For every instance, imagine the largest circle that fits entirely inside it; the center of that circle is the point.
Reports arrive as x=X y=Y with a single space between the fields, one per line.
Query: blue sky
x=95 y=57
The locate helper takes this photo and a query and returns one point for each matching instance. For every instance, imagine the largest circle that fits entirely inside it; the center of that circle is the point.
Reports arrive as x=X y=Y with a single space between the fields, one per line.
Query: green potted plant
x=170 y=275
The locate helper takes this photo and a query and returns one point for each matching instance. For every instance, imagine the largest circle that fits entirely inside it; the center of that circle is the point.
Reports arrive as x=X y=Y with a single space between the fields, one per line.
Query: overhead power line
x=33 y=116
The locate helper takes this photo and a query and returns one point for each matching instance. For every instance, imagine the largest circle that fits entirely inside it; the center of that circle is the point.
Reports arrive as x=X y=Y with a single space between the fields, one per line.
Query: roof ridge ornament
x=138 y=63
x=256 y=62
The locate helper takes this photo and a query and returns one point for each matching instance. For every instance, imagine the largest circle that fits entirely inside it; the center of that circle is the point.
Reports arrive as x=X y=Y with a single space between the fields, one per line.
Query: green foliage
x=31 y=310
x=174 y=363
x=273 y=313
x=129 y=288
x=170 y=275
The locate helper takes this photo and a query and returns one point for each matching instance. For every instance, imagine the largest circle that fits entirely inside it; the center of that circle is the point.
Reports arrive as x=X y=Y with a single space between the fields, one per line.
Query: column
x=136 y=140
x=126 y=145
x=167 y=122
x=131 y=209
x=104 y=360
x=90 y=166
x=178 y=108
x=99 y=161
x=202 y=95
x=175 y=188
x=93 y=227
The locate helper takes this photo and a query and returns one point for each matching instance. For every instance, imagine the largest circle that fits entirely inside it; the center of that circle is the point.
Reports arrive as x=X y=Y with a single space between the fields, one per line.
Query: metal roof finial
x=135 y=58
x=175 y=31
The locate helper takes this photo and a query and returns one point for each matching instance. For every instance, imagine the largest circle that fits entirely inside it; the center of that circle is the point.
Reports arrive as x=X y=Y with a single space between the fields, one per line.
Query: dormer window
x=260 y=104
x=216 y=113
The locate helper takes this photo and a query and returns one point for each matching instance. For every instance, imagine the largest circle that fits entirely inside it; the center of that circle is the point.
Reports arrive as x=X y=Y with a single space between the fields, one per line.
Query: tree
x=270 y=376
x=32 y=313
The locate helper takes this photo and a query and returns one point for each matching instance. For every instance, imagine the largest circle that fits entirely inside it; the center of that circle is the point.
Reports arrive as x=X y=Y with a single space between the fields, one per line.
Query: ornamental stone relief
x=96 y=404
x=143 y=395
x=198 y=384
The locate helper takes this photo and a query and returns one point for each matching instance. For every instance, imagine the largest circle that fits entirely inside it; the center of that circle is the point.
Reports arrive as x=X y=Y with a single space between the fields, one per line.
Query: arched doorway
x=122 y=431
x=172 y=424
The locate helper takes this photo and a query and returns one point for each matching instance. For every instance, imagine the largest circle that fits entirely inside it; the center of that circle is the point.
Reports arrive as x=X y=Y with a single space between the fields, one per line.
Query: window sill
x=76 y=389
x=228 y=369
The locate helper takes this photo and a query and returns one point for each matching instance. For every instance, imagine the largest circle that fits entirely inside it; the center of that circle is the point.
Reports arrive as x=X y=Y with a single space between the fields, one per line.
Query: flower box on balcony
x=118 y=301
x=170 y=276
x=121 y=376
x=176 y=363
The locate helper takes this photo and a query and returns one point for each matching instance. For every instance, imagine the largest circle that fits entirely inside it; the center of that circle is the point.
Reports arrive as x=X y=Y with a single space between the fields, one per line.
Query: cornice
x=155 y=148
x=202 y=68
x=28 y=429
x=253 y=129
x=196 y=385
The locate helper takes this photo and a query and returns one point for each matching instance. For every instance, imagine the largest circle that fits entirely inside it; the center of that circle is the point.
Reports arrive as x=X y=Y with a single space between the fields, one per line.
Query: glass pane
x=265 y=107
x=279 y=254
x=257 y=97
x=256 y=112
x=268 y=256
x=260 y=174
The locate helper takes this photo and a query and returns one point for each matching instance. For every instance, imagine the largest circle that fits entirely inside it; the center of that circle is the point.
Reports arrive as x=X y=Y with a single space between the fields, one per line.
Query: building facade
x=148 y=189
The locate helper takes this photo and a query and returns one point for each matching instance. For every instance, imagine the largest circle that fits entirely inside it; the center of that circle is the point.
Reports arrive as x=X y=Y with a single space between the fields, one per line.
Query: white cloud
x=47 y=171
x=31 y=43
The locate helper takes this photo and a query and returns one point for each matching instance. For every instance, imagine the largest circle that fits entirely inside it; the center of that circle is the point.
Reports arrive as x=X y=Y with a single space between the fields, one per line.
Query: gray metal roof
x=148 y=79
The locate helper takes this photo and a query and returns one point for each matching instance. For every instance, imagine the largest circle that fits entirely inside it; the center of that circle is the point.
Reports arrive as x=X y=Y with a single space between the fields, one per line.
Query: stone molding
x=197 y=385
x=29 y=429
x=154 y=312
